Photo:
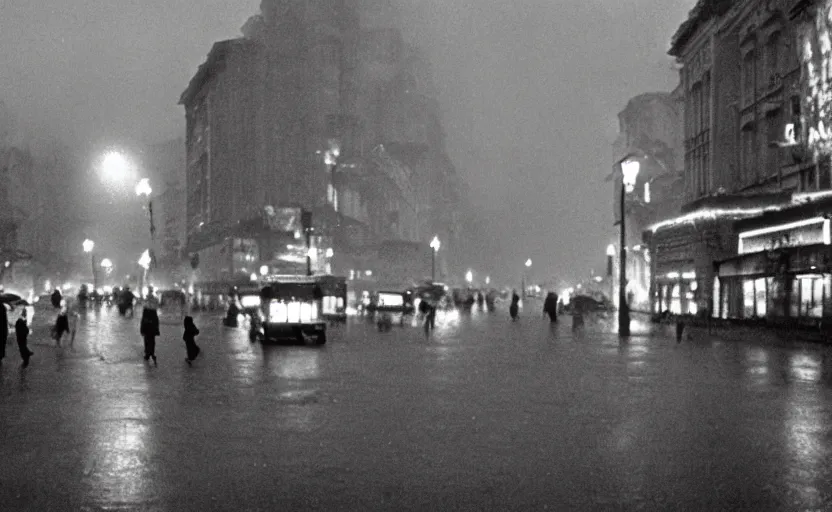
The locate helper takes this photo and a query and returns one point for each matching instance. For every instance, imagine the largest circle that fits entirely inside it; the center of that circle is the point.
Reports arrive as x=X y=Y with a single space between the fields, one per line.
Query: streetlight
x=115 y=166
x=434 y=245
x=144 y=262
x=610 y=265
x=88 y=246
x=469 y=277
x=143 y=189
x=107 y=265
x=331 y=160
x=629 y=173
x=528 y=265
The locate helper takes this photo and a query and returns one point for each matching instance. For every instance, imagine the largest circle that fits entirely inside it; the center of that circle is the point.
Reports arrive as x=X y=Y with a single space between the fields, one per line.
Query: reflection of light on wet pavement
x=807 y=462
x=805 y=367
x=757 y=364
x=296 y=365
x=117 y=465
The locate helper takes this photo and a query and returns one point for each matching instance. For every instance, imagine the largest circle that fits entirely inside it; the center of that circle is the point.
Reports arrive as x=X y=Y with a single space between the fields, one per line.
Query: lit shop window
x=760 y=296
x=716 y=298
x=676 y=300
x=748 y=298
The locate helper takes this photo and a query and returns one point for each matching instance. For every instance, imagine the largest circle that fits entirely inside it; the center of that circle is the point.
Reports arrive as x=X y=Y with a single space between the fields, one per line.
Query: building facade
x=650 y=133
x=752 y=237
x=310 y=110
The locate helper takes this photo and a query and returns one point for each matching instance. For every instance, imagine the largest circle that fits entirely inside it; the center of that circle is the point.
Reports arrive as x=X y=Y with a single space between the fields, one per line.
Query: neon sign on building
x=816 y=69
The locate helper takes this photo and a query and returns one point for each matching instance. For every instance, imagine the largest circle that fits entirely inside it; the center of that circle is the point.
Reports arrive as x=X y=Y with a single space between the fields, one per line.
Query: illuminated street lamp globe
x=629 y=171
x=107 y=265
x=529 y=263
x=435 y=244
x=611 y=250
x=144 y=260
x=264 y=270
x=469 y=277
x=143 y=188
x=88 y=245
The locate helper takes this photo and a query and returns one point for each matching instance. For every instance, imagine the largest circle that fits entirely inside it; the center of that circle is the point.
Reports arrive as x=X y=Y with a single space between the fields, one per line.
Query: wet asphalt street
x=485 y=414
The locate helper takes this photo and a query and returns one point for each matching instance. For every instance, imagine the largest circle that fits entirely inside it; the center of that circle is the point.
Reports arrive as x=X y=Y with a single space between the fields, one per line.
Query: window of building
x=772 y=65
x=760 y=296
x=748 y=139
x=748 y=77
x=748 y=298
x=772 y=153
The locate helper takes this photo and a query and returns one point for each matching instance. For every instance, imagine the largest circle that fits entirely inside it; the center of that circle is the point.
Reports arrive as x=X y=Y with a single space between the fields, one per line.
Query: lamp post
x=629 y=173
x=143 y=190
x=88 y=246
x=528 y=265
x=144 y=262
x=434 y=245
x=469 y=277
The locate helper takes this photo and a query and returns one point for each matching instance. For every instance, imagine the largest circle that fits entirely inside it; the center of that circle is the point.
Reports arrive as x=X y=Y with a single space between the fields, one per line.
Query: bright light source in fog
x=330 y=253
x=611 y=250
x=115 y=166
x=264 y=270
x=143 y=188
x=629 y=170
x=144 y=260
x=469 y=276
x=529 y=262
x=88 y=245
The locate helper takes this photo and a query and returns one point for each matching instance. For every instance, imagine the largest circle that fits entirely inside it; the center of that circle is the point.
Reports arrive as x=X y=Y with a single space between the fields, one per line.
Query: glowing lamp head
x=529 y=262
x=435 y=244
x=611 y=250
x=253 y=277
x=106 y=263
x=144 y=260
x=629 y=173
x=330 y=253
x=264 y=270
x=469 y=276
x=88 y=245
x=143 y=188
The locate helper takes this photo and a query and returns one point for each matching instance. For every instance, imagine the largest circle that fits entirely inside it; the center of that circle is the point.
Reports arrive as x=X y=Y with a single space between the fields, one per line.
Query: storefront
x=783 y=267
x=789 y=283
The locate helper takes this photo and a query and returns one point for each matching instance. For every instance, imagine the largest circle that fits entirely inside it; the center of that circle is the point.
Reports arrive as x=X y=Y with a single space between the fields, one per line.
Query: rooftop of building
x=702 y=12
x=212 y=65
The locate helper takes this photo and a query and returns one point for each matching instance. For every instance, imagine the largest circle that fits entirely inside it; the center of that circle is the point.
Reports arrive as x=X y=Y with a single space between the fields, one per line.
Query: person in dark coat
x=56 y=298
x=514 y=309
x=4 y=330
x=21 y=330
x=61 y=326
x=550 y=307
x=149 y=326
x=190 y=335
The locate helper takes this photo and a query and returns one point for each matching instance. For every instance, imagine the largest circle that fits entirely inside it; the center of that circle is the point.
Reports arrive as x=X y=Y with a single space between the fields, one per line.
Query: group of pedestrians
x=148 y=328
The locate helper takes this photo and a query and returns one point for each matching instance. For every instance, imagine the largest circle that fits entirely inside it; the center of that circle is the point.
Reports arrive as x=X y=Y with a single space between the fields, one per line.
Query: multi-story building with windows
x=311 y=110
x=752 y=239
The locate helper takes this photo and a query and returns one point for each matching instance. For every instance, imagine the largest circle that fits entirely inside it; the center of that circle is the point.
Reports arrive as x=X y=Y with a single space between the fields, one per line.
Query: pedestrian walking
x=61 y=326
x=680 y=330
x=191 y=332
x=21 y=330
x=430 y=318
x=550 y=307
x=514 y=309
x=149 y=326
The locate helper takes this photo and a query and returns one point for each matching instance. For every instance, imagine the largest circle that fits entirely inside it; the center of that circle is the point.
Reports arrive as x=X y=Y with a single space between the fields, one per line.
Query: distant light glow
x=673 y=275
x=115 y=166
x=435 y=243
x=88 y=245
x=711 y=214
x=253 y=277
x=330 y=252
x=629 y=171
x=469 y=277
x=144 y=260
x=264 y=270
x=611 y=250
x=107 y=263
x=529 y=262
x=143 y=188
x=647 y=192
x=689 y=275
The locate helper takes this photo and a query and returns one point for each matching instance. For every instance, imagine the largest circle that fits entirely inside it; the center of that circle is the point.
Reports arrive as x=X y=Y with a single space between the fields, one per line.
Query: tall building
x=752 y=240
x=650 y=134
x=311 y=110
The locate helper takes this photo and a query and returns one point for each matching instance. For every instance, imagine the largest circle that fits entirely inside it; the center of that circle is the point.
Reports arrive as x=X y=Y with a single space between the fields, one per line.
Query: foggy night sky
x=530 y=91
